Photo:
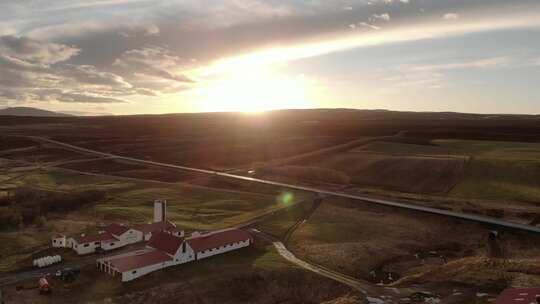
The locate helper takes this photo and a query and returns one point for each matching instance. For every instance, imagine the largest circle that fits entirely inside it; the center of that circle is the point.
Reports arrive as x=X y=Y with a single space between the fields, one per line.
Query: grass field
x=355 y=238
x=128 y=201
x=464 y=169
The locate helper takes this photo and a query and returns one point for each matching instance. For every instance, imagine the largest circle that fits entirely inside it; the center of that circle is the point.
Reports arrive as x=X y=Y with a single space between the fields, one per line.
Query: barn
x=86 y=244
x=125 y=234
x=165 y=249
x=136 y=264
x=519 y=296
x=217 y=242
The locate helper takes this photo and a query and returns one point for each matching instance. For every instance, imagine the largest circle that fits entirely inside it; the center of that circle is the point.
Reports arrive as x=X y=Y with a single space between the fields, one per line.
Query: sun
x=252 y=90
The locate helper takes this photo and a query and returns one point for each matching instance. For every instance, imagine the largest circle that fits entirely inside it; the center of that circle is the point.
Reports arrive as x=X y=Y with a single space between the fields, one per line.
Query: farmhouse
x=165 y=250
x=125 y=234
x=115 y=235
x=519 y=296
x=86 y=244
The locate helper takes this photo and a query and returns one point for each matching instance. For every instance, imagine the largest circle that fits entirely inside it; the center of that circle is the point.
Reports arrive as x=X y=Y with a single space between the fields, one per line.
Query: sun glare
x=252 y=90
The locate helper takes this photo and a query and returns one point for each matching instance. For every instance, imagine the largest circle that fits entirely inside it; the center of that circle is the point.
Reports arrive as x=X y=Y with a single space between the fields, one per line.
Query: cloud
x=381 y=17
x=145 y=30
x=371 y=26
x=35 y=51
x=451 y=16
x=34 y=70
x=495 y=62
x=157 y=62
x=119 y=49
x=85 y=98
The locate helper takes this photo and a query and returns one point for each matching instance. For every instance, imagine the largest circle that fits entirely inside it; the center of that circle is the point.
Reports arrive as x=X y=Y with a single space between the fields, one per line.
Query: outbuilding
x=130 y=267
x=59 y=241
x=86 y=244
x=217 y=242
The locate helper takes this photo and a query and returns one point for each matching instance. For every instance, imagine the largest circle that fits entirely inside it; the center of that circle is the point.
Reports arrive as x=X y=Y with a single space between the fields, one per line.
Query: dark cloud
x=152 y=62
x=34 y=51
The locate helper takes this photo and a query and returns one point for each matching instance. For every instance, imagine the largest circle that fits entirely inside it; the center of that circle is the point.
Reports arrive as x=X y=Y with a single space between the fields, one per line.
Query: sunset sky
x=142 y=56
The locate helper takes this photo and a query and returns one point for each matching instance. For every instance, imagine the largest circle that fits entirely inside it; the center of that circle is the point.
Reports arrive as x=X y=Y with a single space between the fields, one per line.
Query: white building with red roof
x=163 y=226
x=85 y=244
x=217 y=242
x=125 y=234
x=59 y=241
x=165 y=249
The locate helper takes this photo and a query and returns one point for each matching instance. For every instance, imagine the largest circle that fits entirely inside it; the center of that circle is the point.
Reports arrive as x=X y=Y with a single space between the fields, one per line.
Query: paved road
x=384 y=202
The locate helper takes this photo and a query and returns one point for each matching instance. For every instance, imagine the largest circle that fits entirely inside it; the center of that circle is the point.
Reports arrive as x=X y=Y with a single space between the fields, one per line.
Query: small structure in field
x=58 y=241
x=519 y=296
x=165 y=250
x=115 y=235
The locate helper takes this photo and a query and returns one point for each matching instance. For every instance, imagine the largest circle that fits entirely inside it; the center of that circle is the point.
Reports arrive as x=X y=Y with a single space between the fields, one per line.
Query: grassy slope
x=355 y=238
x=497 y=170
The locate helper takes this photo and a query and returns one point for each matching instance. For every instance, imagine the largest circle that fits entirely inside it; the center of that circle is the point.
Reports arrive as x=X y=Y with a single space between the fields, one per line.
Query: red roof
x=131 y=262
x=165 y=242
x=155 y=227
x=116 y=229
x=519 y=295
x=101 y=237
x=217 y=239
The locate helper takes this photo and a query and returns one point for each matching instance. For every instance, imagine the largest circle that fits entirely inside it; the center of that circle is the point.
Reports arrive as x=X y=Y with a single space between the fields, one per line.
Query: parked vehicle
x=67 y=274
x=44 y=287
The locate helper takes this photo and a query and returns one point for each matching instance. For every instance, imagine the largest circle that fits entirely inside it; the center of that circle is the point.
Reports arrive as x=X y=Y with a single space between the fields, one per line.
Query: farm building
x=125 y=234
x=86 y=244
x=163 y=226
x=164 y=250
x=217 y=242
x=114 y=235
x=58 y=241
x=519 y=295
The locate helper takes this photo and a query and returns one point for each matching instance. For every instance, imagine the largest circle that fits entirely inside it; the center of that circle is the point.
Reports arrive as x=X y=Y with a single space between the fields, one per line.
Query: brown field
x=467 y=163
x=356 y=239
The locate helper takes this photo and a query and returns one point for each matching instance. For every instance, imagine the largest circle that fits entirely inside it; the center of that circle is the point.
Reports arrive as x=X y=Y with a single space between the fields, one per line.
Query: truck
x=43 y=286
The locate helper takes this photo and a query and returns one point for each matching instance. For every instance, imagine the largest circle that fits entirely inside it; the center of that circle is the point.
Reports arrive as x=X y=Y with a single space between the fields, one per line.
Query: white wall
x=131 y=236
x=136 y=273
x=183 y=257
x=110 y=245
x=82 y=249
x=58 y=242
x=70 y=242
x=222 y=249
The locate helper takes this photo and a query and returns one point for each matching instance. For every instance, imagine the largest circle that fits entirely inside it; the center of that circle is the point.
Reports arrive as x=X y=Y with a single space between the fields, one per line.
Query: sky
x=144 y=56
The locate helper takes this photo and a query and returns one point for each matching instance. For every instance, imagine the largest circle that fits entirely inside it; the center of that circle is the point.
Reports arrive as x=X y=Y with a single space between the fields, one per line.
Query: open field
x=446 y=255
x=466 y=163
x=464 y=169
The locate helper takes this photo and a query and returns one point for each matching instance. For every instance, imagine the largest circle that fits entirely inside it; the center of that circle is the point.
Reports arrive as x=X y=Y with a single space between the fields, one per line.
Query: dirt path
x=373 y=293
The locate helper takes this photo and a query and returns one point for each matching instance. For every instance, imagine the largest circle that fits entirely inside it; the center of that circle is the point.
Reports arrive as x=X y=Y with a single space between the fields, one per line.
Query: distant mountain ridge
x=29 y=111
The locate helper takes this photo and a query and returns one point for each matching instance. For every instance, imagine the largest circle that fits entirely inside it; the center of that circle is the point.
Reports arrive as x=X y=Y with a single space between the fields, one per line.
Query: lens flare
x=286 y=198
